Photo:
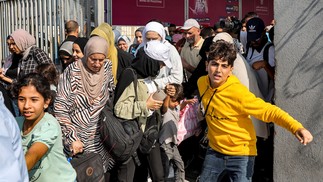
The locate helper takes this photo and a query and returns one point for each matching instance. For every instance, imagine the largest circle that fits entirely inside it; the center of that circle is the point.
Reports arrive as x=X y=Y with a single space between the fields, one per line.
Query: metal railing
x=45 y=20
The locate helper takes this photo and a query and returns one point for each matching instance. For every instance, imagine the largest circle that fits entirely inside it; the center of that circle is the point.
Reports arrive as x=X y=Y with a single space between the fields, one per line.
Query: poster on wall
x=262 y=7
x=199 y=10
x=139 y=12
x=208 y=12
x=151 y=3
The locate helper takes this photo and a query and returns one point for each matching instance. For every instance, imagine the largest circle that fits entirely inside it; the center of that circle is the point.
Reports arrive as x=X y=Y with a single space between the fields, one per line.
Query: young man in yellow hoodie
x=228 y=105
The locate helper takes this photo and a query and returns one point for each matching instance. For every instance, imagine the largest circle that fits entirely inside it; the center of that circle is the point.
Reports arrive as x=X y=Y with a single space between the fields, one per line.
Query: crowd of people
x=217 y=81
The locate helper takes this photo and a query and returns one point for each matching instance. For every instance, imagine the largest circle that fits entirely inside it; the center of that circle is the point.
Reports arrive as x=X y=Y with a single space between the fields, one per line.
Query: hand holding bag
x=88 y=167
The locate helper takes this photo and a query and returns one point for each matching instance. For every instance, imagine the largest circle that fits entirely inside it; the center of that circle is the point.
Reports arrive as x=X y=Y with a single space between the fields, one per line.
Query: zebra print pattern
x=78 y=114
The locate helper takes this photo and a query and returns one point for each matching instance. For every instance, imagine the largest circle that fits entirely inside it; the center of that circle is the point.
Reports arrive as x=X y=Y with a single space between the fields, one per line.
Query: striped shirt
x=78 y=114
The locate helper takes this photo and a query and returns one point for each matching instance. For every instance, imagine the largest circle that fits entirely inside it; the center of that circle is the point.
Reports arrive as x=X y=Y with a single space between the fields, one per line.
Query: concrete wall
x=299 y=88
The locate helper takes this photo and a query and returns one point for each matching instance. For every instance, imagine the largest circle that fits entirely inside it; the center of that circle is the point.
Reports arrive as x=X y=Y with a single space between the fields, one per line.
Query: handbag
x=88 y=167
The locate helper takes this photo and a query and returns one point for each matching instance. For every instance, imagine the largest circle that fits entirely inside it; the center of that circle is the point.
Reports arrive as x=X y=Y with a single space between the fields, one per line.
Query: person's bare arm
x=35 y=153
x=263 y=64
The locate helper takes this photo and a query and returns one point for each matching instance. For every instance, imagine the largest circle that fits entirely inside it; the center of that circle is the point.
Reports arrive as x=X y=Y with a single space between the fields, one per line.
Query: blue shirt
x=13 y=165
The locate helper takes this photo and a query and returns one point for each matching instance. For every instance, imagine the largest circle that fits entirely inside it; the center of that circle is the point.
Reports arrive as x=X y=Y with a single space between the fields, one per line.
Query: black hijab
x=142 y=67
x=81 y=41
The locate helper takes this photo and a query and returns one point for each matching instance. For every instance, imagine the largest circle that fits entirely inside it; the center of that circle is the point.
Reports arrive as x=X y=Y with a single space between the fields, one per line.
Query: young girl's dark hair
x=48 y=71
x=179 y=94
x=33 y=79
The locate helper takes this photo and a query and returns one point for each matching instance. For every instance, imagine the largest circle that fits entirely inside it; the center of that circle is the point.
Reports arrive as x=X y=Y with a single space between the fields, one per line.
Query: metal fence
x=45 y=20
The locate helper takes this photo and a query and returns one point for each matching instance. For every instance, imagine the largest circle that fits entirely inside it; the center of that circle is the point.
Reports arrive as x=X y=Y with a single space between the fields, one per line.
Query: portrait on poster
x=200 y=8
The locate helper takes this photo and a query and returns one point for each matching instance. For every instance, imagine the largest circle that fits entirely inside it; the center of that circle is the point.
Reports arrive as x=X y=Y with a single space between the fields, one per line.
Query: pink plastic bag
x=188 y=124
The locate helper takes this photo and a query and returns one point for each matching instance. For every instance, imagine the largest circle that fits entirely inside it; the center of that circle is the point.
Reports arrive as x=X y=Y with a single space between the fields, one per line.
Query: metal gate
x=45 y=20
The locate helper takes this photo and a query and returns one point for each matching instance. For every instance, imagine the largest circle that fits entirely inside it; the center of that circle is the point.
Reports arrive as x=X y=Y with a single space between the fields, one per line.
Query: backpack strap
x=246 y=49
x=266 y=52
x=135 y=81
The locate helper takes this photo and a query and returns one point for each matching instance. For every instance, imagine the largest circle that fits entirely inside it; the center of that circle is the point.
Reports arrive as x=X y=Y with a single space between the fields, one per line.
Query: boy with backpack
x=260 y=54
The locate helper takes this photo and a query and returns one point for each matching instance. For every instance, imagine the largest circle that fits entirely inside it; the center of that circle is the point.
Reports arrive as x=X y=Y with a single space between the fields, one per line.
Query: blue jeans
x=216 y=165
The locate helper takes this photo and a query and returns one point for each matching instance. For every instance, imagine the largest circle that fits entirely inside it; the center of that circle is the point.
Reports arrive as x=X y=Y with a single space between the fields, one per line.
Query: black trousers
x=151 y=163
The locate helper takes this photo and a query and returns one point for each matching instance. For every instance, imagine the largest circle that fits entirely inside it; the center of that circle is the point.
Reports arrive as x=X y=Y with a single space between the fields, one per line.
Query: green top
x=53 y=166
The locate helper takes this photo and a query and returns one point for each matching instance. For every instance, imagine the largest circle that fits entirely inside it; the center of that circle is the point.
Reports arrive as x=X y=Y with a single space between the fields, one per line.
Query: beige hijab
x=105 y=31
x=23 y=39
x=93 y=82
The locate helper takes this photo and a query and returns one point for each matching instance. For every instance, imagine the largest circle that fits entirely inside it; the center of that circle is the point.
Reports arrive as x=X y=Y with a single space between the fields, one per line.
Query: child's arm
x=34 y=154
x=189 y=101
x=165 y=105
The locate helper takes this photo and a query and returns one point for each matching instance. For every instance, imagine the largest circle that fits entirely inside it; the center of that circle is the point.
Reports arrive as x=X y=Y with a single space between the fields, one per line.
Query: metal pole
x=240 y=9
x=186 y=9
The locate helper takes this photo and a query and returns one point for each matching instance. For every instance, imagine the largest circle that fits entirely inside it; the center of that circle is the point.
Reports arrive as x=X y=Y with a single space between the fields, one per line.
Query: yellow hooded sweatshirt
x=230 y=129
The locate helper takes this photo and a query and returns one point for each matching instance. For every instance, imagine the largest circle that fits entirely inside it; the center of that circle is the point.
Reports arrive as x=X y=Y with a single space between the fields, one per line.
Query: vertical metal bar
x=88 y=18
x=55 y=30
x=40 y=33
x=2 y=5
x=50 y=29
x=32 y=17
x=23 y=15
x=99 y=13
x=67 y=12
x=45 y=15
x=28 y=17
x=15 y=15
x=186 y=9
x=109 y=11
x=18 y=15
x=240 y=9
x=36 y=22
x=62 y=28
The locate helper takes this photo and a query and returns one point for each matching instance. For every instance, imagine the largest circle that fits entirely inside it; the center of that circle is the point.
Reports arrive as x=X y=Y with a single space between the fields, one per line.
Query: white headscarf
x=155 y=27
x=158 y=51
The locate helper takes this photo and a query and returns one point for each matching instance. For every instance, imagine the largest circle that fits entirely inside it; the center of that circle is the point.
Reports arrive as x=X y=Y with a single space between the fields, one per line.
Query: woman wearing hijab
x=20 y=42
x=78 y=48
x=137 y=41
x=155 y=31
x=120 y=59
x=123 y=43
x=83 y=90
x=150 y=59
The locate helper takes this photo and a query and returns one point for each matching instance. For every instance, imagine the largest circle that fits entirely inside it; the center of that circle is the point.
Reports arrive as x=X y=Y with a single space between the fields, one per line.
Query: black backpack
x=121 y=137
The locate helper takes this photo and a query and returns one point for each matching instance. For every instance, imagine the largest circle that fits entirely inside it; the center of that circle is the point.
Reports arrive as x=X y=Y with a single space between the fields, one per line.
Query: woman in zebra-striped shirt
x=83 y=90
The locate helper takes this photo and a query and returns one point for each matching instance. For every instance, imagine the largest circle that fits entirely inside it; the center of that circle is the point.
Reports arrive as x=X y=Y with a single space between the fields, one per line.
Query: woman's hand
x=153 y=104
x=76 y=147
